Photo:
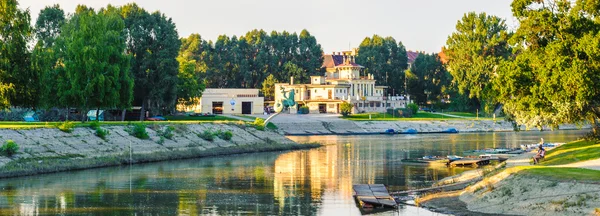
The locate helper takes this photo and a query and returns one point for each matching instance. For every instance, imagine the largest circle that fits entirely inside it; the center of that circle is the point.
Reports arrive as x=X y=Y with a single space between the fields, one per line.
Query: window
x=360 y=105
x=388 y=105
x=378 y=104
x=315 y=91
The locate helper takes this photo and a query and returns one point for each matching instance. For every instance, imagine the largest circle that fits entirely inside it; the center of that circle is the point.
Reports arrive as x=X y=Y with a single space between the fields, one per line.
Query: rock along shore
x=51 y=150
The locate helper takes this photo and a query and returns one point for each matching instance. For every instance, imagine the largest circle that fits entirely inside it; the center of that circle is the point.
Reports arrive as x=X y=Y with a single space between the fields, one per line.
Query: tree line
x=545 y=72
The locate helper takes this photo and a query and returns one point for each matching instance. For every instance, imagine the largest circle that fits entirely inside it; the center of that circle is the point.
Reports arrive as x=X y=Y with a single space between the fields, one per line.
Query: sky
x=421 y=25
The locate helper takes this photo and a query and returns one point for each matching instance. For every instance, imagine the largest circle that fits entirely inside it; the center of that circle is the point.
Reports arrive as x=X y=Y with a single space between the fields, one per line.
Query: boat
x=370 y=196
x=389 y=131
x=450 y=130
x=409 y=131
x=427 y=160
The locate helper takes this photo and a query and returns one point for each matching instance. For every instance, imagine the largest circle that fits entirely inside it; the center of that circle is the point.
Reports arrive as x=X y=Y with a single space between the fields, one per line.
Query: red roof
x=412 y=56
x=331 y=61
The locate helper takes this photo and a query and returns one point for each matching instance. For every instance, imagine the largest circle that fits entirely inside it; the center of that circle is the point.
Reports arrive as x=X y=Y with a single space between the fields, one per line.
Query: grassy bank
x=40 y=165
x=572 y=152
x=420 y=116
x=562 y=174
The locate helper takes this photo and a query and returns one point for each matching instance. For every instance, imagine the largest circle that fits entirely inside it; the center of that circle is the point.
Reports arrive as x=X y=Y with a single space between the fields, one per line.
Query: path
x=590 y=164
x=450 y=115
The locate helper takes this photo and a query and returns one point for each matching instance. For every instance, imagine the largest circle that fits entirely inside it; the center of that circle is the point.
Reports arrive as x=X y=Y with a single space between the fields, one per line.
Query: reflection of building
x=227 y=101
x=342 y=81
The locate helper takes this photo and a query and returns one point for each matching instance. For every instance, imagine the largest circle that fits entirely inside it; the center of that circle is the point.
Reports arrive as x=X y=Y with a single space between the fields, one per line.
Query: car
x=426 y=109
x=156 y=118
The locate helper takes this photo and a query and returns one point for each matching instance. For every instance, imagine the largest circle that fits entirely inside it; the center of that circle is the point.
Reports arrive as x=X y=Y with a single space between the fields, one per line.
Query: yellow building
x=227 y=101
x=341 y=82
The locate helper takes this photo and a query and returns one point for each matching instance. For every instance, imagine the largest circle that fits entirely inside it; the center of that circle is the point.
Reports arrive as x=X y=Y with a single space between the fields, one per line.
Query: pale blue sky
x=420 y=24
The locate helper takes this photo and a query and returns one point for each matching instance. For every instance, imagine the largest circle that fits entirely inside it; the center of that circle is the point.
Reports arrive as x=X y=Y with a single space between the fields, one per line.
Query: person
x=540 y=154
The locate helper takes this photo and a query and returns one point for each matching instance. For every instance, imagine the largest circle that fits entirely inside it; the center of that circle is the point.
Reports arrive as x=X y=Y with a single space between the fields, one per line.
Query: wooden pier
x=373 y=195
x=470 y=162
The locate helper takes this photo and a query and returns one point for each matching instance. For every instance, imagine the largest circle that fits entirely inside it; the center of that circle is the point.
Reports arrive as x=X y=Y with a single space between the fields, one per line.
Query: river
x=306 y=182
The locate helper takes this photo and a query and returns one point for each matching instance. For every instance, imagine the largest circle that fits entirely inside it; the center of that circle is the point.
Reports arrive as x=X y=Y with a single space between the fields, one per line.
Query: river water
x=306 y=182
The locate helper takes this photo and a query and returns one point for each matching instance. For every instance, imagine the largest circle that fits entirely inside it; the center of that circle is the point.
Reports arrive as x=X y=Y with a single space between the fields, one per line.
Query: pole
x=477 y=114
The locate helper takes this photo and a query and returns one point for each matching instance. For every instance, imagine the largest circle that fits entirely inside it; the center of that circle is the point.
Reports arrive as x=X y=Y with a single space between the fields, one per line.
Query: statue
x=287 y=101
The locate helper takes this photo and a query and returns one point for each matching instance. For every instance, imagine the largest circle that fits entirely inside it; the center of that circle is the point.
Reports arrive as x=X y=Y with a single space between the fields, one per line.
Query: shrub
x=9 y=148
x=413 y=107
x=346 y=108
x=303 y=110
x=225 y=135
x=161 y=141
x=167 y=132
x=102 y=133
x=139 y=131
x=259 y=124
x=95 y=125
x=66 y=127
x=207 y=135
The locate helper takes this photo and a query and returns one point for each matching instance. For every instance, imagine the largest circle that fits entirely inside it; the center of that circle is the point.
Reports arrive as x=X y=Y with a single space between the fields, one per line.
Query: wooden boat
x=373 y=196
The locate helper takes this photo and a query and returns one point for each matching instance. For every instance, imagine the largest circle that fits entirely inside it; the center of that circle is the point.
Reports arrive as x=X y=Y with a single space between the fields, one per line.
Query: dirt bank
x=51 y=150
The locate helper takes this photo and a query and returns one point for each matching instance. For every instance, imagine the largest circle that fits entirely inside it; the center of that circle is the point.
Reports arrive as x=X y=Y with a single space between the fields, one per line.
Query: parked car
x=156 y=118
x=426 y=109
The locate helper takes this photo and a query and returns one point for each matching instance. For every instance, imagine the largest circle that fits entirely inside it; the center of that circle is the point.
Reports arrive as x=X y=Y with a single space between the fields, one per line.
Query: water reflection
x=317 y=181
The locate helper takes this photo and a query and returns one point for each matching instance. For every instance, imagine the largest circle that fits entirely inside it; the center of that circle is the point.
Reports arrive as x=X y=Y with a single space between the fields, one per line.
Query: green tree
x=554 y=78
x=154 y=44
x=192 y=71
x=47 y=30
x=292 y=70
x=18 y=83
x=474 y=51
x=385 y=59
x=268 y=87
x=94 y=60
x=346 y=108
x=427 y=79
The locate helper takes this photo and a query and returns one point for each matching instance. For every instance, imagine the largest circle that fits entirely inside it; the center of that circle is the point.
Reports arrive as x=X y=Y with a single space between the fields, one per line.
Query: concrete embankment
x=292 y=124
x=51 y=150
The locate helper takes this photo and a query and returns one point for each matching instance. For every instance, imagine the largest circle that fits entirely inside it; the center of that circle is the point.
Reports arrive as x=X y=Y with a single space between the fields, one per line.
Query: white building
x=227 y=101
x=342 y=82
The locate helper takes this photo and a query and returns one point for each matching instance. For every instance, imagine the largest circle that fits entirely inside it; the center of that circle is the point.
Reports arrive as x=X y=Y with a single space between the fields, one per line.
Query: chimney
x=292 y=80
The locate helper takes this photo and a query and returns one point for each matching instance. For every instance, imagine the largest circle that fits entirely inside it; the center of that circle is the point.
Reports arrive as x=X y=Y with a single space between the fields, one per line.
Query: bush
x=167 y=132
x=399 y=112
x=207 y=135
x=225 y=135
x=139 y=131
x=9 y=148
x=303 y=110
x=259 y=124
x=102 y=133
x=346 y=108
x=95 y=125
x=66 y=127
x=413 y=107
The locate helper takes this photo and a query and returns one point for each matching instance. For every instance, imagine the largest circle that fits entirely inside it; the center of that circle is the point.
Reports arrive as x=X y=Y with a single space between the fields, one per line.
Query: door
x=247 y=108
x=329 y=96
x=217 y=107
x=322 y=108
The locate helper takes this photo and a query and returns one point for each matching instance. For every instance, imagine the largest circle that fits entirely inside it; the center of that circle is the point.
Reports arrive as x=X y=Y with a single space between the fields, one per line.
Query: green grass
x=572 y=152
x=386 y=117
x=563 y=173
x=463 y=114
x=199 y=118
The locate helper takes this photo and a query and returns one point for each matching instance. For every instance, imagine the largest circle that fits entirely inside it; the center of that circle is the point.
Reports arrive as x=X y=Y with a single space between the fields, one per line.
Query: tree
x=18 y=83
x=192 y=71
x=292 y=70
x=154 y=44
x=475 y=50
x=385 y=59
x=554 y=78
x=92 y=46
x=268 y=87
x=346 y=108
x=427 y=78
x=47 y=30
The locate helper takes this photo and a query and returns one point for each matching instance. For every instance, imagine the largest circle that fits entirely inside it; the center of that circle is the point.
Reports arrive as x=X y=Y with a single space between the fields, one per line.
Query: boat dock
x=373 y=195
x=470 y=162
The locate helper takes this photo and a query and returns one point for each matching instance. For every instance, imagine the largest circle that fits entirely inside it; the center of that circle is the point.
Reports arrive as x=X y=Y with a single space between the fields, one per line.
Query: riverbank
x=329 y=124
x=522 y=189
x=47 y=150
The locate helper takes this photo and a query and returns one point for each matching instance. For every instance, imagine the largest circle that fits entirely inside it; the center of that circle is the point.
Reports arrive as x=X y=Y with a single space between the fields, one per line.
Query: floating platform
x=470 y=162
x=373 y=195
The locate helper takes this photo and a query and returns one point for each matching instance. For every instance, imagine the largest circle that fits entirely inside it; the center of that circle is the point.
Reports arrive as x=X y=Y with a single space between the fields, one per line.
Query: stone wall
x=50 y=150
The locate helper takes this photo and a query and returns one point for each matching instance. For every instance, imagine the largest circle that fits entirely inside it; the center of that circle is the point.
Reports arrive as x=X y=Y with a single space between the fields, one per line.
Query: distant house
x=227 y=101
x=412 y=56
x=343 y=81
